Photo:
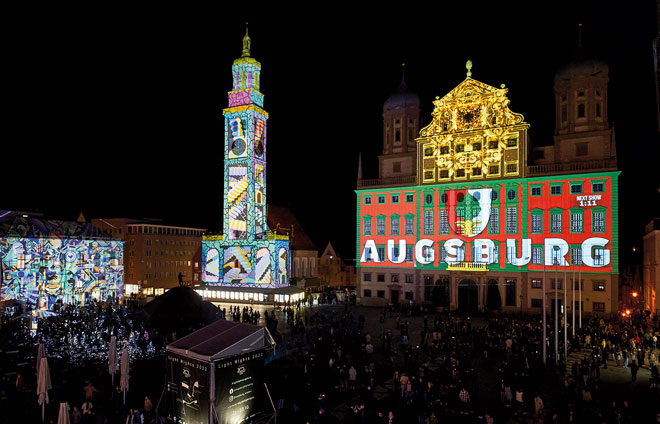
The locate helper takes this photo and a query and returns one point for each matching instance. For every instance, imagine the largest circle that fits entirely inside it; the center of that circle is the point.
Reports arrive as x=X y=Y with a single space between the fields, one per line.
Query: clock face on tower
x=238 y=147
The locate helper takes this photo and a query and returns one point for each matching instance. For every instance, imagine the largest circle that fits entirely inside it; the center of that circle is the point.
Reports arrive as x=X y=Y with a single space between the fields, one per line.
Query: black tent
x=178 y=310
x=215 y=374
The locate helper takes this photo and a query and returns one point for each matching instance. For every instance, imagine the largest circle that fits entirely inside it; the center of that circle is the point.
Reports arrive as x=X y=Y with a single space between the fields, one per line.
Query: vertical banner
x=188 y=385
x=240 y=396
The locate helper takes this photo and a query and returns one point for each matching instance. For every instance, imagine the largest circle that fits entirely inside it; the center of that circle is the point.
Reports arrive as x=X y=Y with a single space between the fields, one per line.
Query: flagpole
x=564 y=316
x=545 y=355
x=573 y=308
x=556 y=317
x=580 y=279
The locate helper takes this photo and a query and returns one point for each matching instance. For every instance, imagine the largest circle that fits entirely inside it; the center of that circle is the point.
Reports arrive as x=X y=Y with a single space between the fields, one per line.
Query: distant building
x=334 y=270
x=156 y=254
x=304 y=253
x=651 y=264
x=47 y=261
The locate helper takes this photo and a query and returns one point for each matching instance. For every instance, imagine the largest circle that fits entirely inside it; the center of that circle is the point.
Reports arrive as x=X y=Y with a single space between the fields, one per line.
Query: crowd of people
x=451 y=369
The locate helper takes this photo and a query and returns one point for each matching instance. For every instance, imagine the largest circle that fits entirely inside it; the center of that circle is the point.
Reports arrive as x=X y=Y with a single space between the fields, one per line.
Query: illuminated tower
x=247 y=255
x=245 y=153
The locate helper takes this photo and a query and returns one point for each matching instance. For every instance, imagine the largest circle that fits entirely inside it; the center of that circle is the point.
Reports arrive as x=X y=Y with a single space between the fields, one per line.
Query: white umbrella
x=43 y=385
x=41 y=353
x=112 y=359
x=63 y=418
x=123 y=381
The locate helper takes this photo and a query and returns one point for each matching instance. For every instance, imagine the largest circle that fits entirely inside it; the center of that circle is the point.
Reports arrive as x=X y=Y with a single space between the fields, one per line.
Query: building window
x=537 y=223
x=599 y=286
x=599 y=256
x=581 y=149
x=555 y=190
x=537 y=283
x=512 y=168
x=555 y=222
x=428 y=151
x=410 y=198
x=511 y=194
x=444 y=173
x=394 y=278
x=460 y=220
x=576 y=255
x=409 y=295
x=367 y=226
x=576 y=188
x=598 y=222
x=380 y=226
x=428 y=199
x=510 y=285
x=396 y=167
x=367 y=293
x=443 y=226
x=381 y=253
x=460 y=173
x=580 y=110
x=410 y=253
x=428 y=222
x=394 y=226
x=494 y=169
x=493 y=144
x=598 y=187
x=428 y=175
x=381 y=200
x=444 y=150
x=556 y=256
x=537 y=303
x=395 y=198
x=536 y=191
x=511 y=220
x=576 y=222
x=366 y=276
x=537 y=255
x=380 y=293
x=410 y=278
x=599 y=306
x=476 y=147
x=494 y=221
x=410 y=226
x=427 y=252
x=476 y=171
x=380 y=278
x=512 y=142
x=460 y=148
x=556 y=284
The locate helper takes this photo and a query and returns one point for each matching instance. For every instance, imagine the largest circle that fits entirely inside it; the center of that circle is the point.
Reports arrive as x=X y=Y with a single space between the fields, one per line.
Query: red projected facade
x=473 y=226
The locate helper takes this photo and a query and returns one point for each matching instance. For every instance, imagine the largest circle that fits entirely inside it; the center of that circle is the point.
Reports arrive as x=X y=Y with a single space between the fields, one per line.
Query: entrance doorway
x=394 y=296
x=468 y=296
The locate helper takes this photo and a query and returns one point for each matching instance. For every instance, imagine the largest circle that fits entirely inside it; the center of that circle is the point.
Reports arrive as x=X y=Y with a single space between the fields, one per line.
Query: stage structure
x=215 y=375
x=44 y=261
x=247 y=255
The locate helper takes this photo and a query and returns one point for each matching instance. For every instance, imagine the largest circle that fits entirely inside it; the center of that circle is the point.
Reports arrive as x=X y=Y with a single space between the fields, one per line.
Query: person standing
x=633 y=371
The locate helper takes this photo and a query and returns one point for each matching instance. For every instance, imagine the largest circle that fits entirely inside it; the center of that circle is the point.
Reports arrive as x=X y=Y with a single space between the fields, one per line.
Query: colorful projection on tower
x=60 y=269
x=247 y=255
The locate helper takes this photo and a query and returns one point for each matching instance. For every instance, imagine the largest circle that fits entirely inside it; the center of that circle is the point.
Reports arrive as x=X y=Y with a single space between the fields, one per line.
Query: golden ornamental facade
x=474 y=136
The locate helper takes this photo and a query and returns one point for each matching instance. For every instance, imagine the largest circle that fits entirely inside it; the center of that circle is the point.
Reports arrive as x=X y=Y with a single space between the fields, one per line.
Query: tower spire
x=246 y=43
x=468 y=66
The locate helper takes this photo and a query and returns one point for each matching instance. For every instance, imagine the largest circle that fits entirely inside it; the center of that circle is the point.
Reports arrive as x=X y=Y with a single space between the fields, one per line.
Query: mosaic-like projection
x=251 y=254
x=53 y=269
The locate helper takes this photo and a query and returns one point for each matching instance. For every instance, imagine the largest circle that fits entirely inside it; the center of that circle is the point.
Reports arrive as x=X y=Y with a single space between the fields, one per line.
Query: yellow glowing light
x=474 y=135
x=627 y=311
x=634 y=294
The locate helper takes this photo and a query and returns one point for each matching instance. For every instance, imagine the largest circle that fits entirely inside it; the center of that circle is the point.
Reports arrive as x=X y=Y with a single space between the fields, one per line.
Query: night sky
x=118 y=113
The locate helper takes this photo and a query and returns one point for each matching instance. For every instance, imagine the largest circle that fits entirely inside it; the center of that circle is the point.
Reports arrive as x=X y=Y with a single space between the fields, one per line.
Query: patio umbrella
x=123 y=381
x=41 y=353
x=43 y=385
x=63 y=418
x=113 y=362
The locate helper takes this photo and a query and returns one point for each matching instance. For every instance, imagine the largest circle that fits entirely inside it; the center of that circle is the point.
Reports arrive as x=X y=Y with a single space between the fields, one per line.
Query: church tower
x=247 y=255
x=245 y=153
x=400 y=129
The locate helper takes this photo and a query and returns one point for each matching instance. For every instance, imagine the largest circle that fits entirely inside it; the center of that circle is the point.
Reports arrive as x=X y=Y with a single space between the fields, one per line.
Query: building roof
x=222 y=339
x=29 y=225
x=401 y=98
x=284 y=222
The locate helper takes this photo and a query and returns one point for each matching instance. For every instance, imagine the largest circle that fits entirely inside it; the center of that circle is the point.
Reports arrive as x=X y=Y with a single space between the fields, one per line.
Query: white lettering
x=511 y=252
x=422 y=255
x=484 y=251
x=551 y=253
x=402 y=251
x=452 y=247
x=370 y=252
x=601 y=257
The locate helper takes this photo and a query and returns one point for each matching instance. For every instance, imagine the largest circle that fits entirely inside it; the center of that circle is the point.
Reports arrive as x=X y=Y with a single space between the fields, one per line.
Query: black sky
x=118 y=112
